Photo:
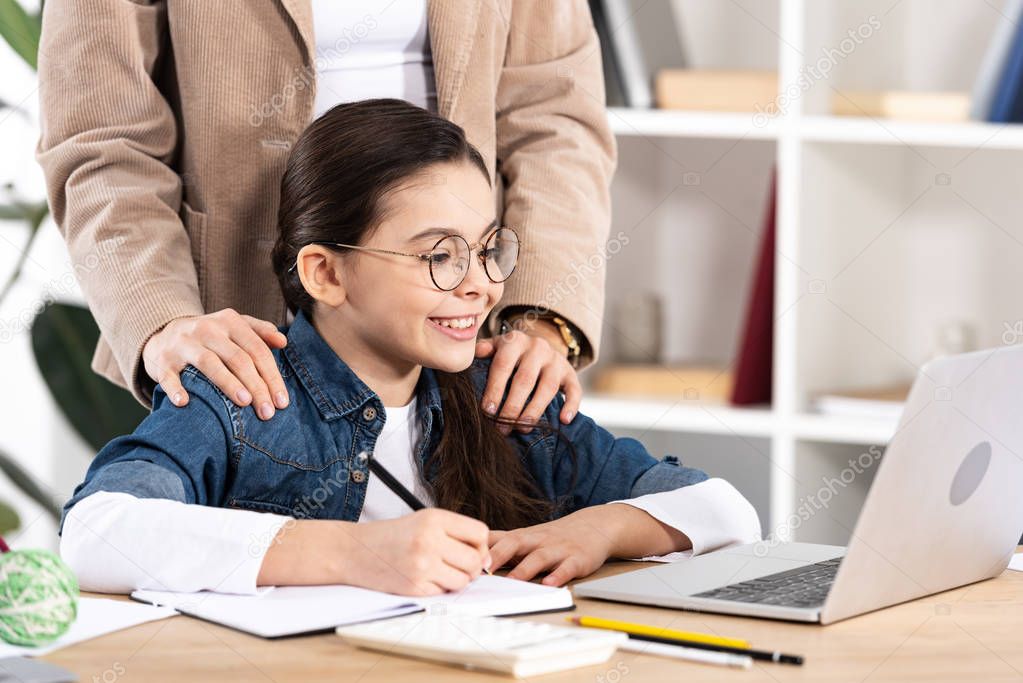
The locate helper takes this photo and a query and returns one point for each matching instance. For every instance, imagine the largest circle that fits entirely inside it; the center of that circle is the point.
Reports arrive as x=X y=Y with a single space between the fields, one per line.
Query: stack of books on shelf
x=998 y=89
x=879 y=403
x=645 y=66
x=997 y=94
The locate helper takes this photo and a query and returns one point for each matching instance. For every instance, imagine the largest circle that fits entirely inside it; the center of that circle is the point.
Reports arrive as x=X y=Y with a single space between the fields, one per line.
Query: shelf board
x=613 y=412
x=865 y=130
x=625 y=121
x=838 y=429
x=665 y=415
x=839 y=129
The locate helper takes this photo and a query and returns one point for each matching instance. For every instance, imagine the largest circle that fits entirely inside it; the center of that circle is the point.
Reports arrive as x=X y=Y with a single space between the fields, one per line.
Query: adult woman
x=167 y=125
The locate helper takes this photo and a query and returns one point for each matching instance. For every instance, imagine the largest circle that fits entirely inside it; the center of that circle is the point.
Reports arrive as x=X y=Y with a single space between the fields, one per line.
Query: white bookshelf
x=887 y=233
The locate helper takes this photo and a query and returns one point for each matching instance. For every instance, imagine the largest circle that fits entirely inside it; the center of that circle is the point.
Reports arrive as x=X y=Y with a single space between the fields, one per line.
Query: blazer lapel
x=301 y=12
x=452 y=29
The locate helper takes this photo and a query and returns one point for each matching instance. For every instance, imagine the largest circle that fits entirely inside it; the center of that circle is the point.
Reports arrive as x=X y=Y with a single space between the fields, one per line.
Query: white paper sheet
x=291 y=610
x=96 y=617
x=1016 y=563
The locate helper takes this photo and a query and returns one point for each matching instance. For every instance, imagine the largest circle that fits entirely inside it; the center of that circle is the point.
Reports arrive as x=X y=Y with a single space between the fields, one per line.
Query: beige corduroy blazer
x=166 y=125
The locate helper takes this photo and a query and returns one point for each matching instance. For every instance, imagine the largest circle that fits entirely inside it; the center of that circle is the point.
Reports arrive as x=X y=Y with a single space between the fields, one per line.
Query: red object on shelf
x=754 y=364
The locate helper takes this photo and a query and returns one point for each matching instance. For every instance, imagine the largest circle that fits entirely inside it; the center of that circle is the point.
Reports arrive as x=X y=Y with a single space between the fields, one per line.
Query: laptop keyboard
x=800 y=587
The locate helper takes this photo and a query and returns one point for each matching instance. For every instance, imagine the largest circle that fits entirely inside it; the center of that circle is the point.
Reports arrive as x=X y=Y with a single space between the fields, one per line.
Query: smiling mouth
x=456 y=323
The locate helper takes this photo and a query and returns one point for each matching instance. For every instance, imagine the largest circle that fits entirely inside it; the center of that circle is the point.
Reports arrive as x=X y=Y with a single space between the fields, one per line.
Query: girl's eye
x=439 y=258
x=491 y=253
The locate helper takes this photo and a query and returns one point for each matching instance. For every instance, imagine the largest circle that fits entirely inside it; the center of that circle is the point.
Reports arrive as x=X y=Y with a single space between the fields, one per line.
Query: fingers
x=573 y=395
x=265 y=364
x=465 y=529
x=465 y=558
x=546 y=390
x=210 y=364
x=267 y=331
x=563 y=573
x=231 y=349
x=240 y=364
x=484 y=348
x=448 y=578
x=510 y=547
x=171 y=385
x=522 y=385
x=501 y=368
x=535 y=562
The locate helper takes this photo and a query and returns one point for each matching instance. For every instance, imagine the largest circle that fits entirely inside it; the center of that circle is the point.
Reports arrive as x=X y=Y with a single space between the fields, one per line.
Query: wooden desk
x=968 y=634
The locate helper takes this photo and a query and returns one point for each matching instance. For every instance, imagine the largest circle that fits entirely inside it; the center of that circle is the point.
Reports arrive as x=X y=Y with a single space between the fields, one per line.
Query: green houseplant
x=63 y=335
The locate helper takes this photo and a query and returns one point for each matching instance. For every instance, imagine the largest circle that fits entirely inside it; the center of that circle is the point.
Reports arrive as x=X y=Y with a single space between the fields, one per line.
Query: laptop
x=945 y=509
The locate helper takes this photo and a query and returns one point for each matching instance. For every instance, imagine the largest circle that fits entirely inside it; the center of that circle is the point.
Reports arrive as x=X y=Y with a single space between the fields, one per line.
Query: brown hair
x=339 y=170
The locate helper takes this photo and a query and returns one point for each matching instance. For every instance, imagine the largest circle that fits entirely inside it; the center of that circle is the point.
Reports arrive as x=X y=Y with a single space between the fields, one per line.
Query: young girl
x=390 y=256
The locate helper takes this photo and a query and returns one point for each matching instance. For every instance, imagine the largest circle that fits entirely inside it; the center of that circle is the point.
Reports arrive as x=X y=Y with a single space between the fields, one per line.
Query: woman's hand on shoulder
x=231 y=349
x=537 y=363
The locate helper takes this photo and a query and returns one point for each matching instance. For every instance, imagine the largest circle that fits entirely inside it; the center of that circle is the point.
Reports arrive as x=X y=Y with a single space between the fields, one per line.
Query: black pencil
x=395 y=485
x=398 y=488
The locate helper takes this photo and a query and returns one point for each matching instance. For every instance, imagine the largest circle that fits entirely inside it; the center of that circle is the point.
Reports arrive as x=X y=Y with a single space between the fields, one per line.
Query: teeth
x=456 y=323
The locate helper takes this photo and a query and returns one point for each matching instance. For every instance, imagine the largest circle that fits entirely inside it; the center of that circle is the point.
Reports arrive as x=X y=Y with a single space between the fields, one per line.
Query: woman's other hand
x=538 y=362
x=231 y=349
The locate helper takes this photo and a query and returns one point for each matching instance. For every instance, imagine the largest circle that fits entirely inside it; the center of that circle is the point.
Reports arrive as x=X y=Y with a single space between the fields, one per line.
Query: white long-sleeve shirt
x=116 y=543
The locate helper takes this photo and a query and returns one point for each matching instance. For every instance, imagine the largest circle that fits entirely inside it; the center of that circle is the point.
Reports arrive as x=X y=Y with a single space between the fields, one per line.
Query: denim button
x=358 y=476
x=363 y=456
x=369 y=413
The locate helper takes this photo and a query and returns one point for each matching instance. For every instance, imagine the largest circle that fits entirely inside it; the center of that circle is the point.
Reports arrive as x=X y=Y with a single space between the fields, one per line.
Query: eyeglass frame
x=476 y=247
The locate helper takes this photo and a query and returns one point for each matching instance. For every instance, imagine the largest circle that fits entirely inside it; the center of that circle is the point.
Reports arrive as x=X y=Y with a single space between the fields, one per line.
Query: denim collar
x=336 y=389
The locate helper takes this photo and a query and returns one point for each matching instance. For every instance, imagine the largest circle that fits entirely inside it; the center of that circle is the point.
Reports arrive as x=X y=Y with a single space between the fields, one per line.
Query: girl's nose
x=475 y=278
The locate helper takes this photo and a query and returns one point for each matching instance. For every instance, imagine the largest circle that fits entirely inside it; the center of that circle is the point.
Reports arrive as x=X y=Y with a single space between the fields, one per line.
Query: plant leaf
x=29 y=486
x=9 y=520
x=21 y=30
x=63 y=337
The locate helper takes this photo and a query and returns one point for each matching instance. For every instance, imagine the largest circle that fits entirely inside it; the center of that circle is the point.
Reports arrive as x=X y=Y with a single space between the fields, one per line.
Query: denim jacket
x=310 y=459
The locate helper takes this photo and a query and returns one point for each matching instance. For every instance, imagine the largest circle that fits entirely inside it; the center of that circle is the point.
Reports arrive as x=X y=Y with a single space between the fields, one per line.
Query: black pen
x=397 y=487
x=763 y=655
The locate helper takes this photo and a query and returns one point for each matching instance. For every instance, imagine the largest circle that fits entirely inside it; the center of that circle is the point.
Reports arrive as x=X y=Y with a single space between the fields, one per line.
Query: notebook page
x=287 y=610
x=498 y=595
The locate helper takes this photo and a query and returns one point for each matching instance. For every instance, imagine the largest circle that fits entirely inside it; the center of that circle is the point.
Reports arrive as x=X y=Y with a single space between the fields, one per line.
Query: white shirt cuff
x=712 y=513
x=117 y=543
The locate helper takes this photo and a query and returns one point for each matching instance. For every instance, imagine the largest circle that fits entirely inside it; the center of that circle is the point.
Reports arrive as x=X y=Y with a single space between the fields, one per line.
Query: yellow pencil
x=658 y=632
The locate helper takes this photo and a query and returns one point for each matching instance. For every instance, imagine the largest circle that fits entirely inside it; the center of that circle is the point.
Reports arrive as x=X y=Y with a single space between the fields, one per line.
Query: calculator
x=518 y=648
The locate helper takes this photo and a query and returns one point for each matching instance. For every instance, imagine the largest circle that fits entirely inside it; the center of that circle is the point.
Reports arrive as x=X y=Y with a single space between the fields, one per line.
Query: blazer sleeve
x=557 y=154
x=106 y=147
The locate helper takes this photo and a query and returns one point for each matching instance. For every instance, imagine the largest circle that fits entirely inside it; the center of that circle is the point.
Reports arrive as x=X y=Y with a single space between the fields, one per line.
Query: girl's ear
x=322 y=275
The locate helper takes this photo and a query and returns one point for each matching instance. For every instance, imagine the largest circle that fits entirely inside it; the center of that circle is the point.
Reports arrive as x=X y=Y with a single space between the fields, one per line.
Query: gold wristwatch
x=564 y=328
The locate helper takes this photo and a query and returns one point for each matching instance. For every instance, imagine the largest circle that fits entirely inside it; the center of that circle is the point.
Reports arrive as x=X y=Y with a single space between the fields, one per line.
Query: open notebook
x=294 y=610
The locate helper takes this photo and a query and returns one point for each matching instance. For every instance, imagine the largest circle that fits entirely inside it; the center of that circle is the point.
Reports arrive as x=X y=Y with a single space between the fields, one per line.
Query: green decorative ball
x=38 y=597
